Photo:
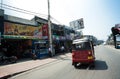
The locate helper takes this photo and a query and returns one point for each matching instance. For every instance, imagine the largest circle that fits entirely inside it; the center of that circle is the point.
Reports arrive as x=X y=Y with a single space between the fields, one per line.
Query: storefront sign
x=45 y=32
x=22 y=30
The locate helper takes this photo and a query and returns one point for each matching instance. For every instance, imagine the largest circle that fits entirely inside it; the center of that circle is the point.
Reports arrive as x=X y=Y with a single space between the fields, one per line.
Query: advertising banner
x=77 y=24
x=45 y=32
x=22 y=30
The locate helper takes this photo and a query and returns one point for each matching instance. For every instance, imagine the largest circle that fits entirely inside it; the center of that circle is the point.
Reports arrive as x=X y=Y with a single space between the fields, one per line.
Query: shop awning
x=20 y=37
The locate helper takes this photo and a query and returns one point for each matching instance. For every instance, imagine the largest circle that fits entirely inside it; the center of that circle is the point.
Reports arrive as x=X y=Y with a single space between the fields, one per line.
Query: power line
x=25 y=12
x=55 y=20
x=17 y=10
x=5 y=6
x=23 y=9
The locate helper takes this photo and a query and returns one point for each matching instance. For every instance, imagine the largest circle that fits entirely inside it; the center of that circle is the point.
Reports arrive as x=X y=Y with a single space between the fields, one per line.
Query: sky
x=99 y=15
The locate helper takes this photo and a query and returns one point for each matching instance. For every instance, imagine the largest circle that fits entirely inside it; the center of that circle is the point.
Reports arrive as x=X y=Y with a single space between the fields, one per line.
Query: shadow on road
x=99 y=65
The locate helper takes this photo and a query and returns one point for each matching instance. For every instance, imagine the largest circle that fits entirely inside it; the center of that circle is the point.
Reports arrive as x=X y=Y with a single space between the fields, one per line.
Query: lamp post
x=50 y=32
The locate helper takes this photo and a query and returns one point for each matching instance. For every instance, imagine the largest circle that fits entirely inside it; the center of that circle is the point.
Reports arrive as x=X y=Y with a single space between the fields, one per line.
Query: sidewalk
x=12 y=69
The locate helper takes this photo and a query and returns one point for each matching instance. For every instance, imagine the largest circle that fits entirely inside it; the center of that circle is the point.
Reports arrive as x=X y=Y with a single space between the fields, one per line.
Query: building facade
x=18 y=34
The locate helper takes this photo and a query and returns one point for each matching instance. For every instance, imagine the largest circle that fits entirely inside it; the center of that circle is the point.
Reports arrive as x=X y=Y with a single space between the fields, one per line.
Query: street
x=106 y=67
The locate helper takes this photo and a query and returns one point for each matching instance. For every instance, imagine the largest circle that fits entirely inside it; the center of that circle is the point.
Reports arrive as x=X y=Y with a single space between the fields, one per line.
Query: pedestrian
x=49 y=50
x=62 y=49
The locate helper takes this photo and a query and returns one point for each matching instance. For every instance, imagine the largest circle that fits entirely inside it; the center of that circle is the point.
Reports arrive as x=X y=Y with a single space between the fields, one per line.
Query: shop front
x=41 y=48
x=58 y=42
x=16 y=47
x=18 y=39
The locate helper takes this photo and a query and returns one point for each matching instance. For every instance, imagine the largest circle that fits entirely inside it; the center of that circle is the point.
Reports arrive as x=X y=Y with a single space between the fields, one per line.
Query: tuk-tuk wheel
x=76 y=65
x=93 y=64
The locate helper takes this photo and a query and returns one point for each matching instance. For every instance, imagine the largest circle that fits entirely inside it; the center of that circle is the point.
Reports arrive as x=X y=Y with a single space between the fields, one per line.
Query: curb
x=10 y=75
x=19 y=72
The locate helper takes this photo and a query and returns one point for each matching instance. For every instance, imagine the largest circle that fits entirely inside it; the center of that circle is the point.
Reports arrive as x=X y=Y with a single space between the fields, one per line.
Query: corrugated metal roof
x=19 y=20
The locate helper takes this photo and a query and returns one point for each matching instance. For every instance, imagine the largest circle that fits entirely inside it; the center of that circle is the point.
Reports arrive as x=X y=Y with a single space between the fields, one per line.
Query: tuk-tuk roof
x=80 y=40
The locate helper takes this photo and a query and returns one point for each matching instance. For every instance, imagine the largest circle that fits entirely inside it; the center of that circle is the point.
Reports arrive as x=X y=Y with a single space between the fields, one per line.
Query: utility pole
x=50 y=32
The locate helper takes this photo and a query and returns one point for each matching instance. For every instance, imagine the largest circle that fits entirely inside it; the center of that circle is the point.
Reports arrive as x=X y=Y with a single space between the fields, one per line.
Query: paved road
x=107 y=67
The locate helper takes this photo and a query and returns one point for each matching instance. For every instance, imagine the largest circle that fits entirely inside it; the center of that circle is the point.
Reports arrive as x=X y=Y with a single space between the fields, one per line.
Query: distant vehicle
x=82 y=52
x=104 y=43
x=116 y=29
x=117 y=41
x=116 y=34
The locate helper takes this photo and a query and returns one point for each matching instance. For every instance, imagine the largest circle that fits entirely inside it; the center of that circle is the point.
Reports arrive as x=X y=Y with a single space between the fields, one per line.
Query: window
x=81 y=46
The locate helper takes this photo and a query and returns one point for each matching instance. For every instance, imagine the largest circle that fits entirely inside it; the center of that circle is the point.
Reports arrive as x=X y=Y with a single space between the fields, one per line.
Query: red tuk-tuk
x=82 y=52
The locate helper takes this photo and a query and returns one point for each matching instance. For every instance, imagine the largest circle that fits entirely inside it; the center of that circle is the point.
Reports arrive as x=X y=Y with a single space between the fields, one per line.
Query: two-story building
x=18 y=34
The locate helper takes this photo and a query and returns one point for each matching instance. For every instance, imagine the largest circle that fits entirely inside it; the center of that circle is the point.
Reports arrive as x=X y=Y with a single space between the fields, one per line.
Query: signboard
x=22 y=30
x=45 y=32
x=77 y=24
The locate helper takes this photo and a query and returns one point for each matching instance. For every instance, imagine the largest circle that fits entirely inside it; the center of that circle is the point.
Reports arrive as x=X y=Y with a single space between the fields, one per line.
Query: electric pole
x=49 y=28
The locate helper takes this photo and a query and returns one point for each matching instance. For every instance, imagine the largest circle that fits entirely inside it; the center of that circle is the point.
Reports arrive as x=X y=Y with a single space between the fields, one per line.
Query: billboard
x=22 y=30
x=77 y=24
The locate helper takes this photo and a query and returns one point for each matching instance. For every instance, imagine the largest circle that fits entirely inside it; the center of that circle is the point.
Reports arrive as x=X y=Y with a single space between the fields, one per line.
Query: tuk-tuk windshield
x=82 y=46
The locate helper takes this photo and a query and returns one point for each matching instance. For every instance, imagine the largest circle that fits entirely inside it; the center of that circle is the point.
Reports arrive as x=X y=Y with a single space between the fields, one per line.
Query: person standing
x=49 y=50
x=62 y=49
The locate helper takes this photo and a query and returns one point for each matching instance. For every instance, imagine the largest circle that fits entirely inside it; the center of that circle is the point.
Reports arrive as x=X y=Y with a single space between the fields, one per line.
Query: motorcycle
x=7 y=60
